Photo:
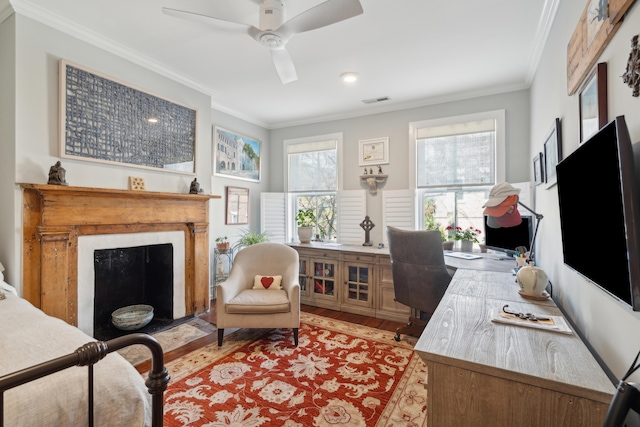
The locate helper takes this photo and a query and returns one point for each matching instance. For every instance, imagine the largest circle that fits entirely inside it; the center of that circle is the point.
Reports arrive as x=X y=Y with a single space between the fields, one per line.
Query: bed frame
x=88 y=355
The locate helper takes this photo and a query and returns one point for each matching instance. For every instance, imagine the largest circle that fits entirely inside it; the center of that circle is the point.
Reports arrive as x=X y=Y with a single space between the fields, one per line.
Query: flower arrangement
x=468 y=234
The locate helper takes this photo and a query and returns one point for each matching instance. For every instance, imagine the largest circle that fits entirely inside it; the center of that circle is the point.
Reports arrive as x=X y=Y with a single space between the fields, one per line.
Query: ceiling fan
x=274 y=32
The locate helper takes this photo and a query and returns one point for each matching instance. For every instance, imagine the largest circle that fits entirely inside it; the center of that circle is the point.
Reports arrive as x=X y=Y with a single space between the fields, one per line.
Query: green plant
x=221 y=239
x=468 y=234
x=305 y=218
x=249 y=237
x=437 y=226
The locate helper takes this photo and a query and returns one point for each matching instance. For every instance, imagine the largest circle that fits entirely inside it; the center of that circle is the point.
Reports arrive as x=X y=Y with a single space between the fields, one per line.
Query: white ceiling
x=416 y=52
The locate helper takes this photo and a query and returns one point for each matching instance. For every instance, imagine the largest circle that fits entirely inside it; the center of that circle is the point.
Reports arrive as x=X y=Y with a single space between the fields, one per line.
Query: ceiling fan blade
x=327 y=13
x=210 y=20
x=284 y=65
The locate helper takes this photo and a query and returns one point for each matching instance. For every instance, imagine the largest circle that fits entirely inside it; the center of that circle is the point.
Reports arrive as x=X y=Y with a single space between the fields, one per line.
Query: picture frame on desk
x=552 y=152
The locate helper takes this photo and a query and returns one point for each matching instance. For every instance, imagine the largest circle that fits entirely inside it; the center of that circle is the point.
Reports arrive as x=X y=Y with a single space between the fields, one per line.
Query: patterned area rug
x=341 y=374
x=170 y=340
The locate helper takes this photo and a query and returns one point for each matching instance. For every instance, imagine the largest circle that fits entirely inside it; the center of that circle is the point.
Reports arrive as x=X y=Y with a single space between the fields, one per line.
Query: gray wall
x=395 y=125
x=29 y=58
x=611 y=328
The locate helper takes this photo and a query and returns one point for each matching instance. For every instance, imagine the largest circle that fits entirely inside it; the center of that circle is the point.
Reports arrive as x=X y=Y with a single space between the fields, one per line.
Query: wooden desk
x=482 y=373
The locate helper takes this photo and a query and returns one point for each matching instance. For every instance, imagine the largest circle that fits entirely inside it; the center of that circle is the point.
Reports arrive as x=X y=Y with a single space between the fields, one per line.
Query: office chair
x=420 y=276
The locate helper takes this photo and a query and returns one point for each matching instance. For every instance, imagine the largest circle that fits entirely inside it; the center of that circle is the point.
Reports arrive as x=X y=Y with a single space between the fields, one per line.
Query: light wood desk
x=482 y=373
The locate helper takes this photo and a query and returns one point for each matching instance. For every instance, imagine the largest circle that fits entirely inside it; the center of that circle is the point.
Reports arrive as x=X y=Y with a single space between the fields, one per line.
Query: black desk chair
x=420 y=276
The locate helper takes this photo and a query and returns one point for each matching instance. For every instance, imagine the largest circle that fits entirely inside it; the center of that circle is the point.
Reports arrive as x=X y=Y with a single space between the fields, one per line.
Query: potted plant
x=306 y=221
x=467 y=237
x=249 y=237
x=222 y=244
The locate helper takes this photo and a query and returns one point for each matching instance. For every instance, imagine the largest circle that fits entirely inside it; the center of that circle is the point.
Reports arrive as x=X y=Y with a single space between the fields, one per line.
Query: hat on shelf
x=502 y=206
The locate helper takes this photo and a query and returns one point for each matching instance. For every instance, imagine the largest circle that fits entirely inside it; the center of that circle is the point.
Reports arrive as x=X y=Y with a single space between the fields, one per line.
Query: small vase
x=466 y=245
x=448 y=245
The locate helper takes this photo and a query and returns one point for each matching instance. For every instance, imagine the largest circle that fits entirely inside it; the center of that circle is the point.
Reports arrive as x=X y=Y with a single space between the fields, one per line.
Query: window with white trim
x=313 y=178
x=457 y=161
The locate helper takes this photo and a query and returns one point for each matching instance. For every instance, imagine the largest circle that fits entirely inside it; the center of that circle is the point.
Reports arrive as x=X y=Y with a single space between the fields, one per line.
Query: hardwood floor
x=382 y=324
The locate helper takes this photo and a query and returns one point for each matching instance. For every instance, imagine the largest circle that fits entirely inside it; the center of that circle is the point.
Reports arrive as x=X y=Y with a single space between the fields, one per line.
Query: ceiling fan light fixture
x=349 y=77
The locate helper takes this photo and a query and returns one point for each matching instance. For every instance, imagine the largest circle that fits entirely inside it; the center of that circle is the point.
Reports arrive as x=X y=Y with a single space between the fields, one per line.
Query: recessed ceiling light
x=349 y=77
x=152 y=120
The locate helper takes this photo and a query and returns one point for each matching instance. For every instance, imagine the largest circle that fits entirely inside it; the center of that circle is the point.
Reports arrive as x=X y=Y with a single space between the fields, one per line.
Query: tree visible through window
x=313 y=176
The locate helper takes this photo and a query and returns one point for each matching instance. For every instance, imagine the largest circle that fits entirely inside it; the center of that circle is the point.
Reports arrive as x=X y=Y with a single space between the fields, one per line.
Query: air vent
x=374 y=100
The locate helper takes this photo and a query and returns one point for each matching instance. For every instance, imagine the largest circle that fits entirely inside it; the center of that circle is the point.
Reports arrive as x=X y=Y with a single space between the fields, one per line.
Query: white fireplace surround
x=87 y=245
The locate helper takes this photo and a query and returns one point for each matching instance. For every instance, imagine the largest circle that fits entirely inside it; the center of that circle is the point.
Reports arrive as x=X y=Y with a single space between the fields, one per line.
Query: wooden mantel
x=54 y=216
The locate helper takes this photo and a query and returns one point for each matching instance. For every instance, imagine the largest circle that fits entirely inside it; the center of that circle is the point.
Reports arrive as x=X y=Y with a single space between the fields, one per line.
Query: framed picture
x=237 y=208
x=374 y=152
x=108 y=121
x=236 y=155
x=552 y=152
x=593 y=102
x=538 y=169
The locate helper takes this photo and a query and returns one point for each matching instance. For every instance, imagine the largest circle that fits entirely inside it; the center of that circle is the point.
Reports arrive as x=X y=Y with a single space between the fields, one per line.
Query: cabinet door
x=324 y=278
x=358 y=284
x=304 y=277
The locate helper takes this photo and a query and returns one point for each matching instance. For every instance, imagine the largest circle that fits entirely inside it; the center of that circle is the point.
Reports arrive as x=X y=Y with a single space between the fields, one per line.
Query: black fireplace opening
x=129 y=276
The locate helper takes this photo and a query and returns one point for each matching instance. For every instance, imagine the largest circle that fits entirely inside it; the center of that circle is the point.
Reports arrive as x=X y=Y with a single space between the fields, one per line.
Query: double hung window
x=457 y=161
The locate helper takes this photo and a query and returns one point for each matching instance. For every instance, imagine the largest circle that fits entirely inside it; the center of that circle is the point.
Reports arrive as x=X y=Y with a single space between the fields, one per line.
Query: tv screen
x=508 y=239
x=597 y=193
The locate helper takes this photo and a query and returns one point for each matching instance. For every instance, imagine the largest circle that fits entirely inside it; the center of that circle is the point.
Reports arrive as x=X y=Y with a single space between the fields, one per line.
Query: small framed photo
x=552 y=152
x=235 y=155
x=593 y=102
x=374 y=152
x=237 y=205
x=538 y=169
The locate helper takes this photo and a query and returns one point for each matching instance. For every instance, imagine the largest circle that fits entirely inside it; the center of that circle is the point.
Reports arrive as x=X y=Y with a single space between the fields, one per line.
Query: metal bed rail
x=88 y=355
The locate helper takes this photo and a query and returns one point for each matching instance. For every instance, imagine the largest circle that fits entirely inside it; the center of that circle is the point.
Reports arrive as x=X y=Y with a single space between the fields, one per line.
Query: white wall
x=395 y=125
x=610 y=327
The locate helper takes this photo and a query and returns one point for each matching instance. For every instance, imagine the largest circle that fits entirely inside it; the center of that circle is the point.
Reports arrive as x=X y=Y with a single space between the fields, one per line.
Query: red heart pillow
x=266 y=281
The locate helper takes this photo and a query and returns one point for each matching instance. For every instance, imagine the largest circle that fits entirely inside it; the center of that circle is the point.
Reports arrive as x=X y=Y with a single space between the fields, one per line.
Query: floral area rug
x=170 y=339
x=341 y=374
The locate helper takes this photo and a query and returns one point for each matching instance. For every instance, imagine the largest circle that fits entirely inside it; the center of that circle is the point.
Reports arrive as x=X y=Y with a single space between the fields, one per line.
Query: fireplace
x=156 y=280
x=58 y=221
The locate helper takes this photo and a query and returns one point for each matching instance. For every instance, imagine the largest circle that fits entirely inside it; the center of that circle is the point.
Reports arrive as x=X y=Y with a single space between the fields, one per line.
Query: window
x=313 y=179
x=457 y=161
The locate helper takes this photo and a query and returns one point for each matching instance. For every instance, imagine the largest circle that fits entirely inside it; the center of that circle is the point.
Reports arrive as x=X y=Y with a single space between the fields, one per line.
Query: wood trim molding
x=55 y=216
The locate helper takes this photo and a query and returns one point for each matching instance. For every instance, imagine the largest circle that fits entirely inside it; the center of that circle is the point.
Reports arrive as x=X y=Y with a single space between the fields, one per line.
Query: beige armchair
x=238 y=305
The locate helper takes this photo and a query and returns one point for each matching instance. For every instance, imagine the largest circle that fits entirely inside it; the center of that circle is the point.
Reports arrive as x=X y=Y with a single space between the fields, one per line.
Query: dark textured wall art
x=107 y=121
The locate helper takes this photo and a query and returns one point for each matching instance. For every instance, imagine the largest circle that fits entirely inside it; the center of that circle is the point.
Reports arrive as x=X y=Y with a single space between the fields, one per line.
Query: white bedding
x=28 y=337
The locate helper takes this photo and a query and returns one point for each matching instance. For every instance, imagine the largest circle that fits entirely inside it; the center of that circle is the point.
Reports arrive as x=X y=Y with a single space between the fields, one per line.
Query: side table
x=222 y=262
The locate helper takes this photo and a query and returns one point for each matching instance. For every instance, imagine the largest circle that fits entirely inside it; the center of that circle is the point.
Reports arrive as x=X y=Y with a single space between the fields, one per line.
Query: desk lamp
x=502 y=210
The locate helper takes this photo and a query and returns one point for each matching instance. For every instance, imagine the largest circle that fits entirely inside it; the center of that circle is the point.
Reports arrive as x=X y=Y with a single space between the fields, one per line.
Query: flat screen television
x=508 y=239
x=599 y=212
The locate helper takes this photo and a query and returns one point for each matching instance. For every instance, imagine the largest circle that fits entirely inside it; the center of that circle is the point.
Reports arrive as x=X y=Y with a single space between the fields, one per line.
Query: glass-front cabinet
x=358 y=290
x=324 y=278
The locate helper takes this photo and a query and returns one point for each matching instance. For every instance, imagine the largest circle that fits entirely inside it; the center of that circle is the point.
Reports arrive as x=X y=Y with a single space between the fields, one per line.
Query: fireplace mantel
x=54 y=216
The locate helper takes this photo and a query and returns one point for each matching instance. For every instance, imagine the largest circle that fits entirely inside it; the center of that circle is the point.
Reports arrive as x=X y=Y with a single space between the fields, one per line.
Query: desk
x=486 y=262
x=482 y=373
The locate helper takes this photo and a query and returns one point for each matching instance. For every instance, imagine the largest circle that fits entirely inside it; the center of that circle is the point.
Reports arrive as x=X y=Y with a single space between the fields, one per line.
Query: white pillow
x=267 y=282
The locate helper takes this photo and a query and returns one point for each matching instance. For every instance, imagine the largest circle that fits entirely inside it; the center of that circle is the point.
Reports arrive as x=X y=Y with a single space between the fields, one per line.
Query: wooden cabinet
x=352 y=279
x=359 y=284
x=319 y=278
x=387 y=306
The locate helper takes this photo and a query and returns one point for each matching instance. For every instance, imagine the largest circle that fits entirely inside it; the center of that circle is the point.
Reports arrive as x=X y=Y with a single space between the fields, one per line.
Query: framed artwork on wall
x=374 y=152
x=237 y=208
x=108 y=121
x=235 y=155
x=552 y=152
x=538 y=169
x=593 y=102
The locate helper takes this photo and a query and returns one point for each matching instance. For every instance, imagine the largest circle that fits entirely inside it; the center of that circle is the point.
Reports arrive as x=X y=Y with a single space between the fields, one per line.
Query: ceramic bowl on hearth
x=132 y=317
